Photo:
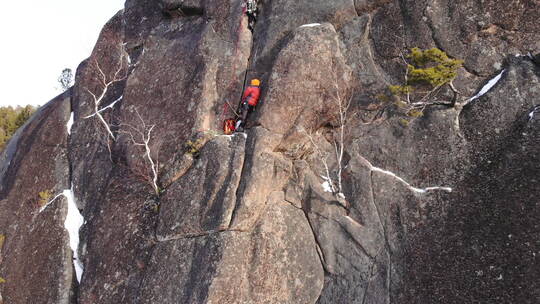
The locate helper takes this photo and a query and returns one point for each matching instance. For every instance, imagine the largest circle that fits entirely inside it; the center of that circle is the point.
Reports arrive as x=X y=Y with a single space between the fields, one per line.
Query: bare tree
x=340 y=101
x=140 y=137
x=324 y=159
x=343 y=104
x=120 y=73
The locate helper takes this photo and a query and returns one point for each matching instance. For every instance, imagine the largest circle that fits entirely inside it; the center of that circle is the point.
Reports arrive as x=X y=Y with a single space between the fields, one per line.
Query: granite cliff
x=312 y=204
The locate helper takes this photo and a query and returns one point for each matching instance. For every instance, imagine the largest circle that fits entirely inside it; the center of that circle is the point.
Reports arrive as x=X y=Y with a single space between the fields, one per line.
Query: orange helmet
x=255 y=82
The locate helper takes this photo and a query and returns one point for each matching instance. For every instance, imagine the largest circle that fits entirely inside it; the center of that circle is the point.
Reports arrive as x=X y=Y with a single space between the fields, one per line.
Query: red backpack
x=229 y=125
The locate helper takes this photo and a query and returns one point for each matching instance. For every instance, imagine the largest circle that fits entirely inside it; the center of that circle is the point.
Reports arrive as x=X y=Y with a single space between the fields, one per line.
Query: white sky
x=39 y=38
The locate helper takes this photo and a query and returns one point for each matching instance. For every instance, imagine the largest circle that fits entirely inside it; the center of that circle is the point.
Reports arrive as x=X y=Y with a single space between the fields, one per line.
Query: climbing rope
x=227 y=104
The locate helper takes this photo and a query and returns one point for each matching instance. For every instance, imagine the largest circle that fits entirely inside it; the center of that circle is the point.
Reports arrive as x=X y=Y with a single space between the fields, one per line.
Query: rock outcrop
x=35 y=258
x=443 y=210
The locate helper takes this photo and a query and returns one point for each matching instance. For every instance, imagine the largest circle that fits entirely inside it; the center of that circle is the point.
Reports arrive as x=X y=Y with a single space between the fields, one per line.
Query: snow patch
x=326 y=187
x=72 y=224
x=487 y=87
x=352 y=221
x=417 y=190
x=244 y=134
x=70 y=123
x=534 y=111
x=311 y=25
x=528 y=55
x=50 y=202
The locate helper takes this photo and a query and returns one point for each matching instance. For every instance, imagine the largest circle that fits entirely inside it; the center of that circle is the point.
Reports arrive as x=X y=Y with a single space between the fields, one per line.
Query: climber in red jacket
x=249 y=102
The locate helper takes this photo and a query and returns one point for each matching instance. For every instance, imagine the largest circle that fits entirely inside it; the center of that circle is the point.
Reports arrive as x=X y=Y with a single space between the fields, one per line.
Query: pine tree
x=12 y=119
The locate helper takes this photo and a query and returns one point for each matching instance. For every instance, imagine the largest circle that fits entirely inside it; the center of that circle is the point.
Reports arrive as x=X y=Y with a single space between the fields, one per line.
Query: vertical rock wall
x=198 y=217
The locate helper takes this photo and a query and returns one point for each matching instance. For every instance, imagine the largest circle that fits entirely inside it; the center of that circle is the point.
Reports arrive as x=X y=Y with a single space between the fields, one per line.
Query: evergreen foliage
x=427 y=72
x=12 y=119
x=432 y=67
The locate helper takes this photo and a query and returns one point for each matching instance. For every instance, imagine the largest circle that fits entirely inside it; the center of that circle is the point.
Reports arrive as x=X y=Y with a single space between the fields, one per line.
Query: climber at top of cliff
x=250 y=98
x=251 y=10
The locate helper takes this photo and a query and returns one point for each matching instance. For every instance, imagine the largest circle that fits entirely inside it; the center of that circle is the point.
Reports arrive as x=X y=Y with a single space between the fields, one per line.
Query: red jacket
x=252 y=95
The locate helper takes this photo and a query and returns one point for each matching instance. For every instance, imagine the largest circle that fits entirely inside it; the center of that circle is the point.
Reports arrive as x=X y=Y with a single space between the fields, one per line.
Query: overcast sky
x=39 y=38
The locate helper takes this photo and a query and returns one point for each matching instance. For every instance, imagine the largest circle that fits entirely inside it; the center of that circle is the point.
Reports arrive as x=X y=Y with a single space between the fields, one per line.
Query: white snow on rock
x=243 y=134
x=70 y=123
x=73 y=223
x=417 y=190
x=50 y=202
x=353 y=221
x=326 y=187
x=310 y=25
x=487 y=87
x=528 y=55
x=534 y=111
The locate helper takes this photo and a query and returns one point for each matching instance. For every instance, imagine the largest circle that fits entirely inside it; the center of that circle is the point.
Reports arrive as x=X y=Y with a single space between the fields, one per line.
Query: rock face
x=444 y=210
x=35 y=257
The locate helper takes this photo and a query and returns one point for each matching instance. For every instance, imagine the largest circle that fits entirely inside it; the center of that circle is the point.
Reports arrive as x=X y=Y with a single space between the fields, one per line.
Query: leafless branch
x=408 y=96
x=341 y=103
x=324 y=160
x=141 y=136
x=119 y=75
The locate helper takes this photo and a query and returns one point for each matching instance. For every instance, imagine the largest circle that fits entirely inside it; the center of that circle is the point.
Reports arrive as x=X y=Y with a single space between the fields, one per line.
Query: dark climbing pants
x=245 y=112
